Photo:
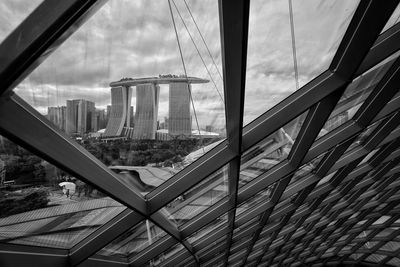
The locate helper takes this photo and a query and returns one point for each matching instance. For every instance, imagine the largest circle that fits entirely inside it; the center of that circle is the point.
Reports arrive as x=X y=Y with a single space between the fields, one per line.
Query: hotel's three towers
x=147 y=99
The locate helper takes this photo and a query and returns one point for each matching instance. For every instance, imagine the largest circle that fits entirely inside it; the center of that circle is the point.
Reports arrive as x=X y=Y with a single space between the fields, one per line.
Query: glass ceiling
x=312 y=180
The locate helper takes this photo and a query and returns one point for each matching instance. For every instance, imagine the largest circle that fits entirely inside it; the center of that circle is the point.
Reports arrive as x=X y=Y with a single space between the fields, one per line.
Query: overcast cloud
x=127 y=38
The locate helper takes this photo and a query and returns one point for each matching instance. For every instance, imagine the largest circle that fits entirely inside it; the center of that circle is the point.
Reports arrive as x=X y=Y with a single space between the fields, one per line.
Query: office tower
x=179 y=109
x=79 y=114
x=120 y=113
x=57 y=115
x=98 y=120
x=146 y=111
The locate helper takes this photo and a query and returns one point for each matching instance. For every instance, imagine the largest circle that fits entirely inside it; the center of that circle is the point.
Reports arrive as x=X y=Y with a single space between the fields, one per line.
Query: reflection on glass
x=355 y=95
x=13 y=12
x=261 y=197
x=117 y=86
x=199 y=198
x=318 y=29
x=386 y=232
x=394 y=262
x=369 y=156
x=326 y=179
x=375 y=258
x=355 y=256
x=390 y=246
x=42 y=205
x=157 y=261
x=307 y=168
x=204 y=254
x=134 y=240
x=270 y=151
x=213 y=226
x=363 y=136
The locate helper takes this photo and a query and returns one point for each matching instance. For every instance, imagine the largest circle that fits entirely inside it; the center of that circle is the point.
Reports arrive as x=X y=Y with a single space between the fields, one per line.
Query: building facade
x=147 y=98
x=120 y=113
x=79 y=113
x=179 y=109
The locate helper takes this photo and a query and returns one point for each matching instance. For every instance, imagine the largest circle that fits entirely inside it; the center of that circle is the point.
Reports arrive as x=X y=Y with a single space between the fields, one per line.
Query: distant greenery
x=143 y=152
x=14 y=203
x=34 y=178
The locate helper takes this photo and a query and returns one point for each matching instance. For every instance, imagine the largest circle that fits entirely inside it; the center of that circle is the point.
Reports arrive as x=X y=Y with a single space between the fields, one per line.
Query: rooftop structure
x=162 y=79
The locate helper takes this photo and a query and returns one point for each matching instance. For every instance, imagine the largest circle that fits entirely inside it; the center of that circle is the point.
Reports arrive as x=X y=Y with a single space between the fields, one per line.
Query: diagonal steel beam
x=386 y=44
x=39 y=35
x=368 y=21
x=104 y=235
x=190 y=176
x=20 y=255
x=290 y=108
x=24 y=125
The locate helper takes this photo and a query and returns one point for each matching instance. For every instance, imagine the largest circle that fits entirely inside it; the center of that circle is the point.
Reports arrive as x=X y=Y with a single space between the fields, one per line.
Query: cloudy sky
x=127 y=38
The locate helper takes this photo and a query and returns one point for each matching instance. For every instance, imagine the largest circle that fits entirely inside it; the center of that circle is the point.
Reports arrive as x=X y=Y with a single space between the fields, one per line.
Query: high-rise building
x=79 y=114
x=108 y=112
x=147 y=96
x=98 y=120
x=179 y=109
x=120 y=113
x=57 y=115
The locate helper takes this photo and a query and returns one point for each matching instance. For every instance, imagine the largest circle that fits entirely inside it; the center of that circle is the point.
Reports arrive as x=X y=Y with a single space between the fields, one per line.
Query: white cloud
x=136 y=39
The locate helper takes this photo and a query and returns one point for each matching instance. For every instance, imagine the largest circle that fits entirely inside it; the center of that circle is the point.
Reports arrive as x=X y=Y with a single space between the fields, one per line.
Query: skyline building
x=147 y=103
x=120 y=115
x=57 y=115
x=179 y=122
x=147 y=98
x=79 y=114
x=98 y=120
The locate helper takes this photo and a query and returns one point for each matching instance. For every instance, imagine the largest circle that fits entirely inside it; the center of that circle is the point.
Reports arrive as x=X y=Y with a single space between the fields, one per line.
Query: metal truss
x=325 y=204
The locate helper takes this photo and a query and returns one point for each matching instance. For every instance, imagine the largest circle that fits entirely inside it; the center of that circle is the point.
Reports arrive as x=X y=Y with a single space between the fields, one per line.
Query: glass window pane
x=306 y=169
x=258 y=199
x=394 y=262
x=13 y=12
x=134 y=240
x=199 y=198
x=363 y=136
x=355 y=95
x=150 y=124
x=375 y=258
x=390 y=246
x=318 y=29
x=203 y=232
x=157 y=261
x=41 y=205
x=270 y=151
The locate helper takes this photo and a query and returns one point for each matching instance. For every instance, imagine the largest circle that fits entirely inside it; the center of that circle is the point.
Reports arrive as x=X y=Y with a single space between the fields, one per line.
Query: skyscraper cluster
x=78 y=117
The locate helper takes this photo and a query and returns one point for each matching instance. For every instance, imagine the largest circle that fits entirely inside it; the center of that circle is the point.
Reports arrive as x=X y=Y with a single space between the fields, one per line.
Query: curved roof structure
x=313 y=181
x=162 y=79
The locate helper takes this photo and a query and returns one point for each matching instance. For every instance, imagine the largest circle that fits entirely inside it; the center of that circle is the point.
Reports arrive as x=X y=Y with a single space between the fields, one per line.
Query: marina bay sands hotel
x=147 y=99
